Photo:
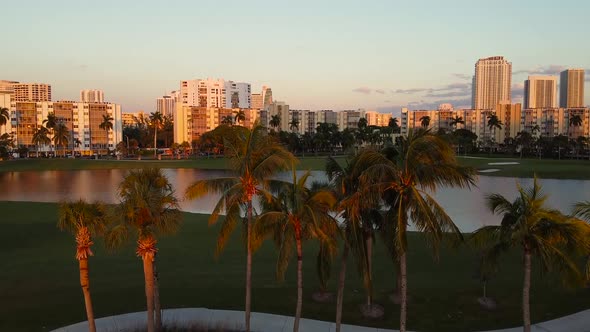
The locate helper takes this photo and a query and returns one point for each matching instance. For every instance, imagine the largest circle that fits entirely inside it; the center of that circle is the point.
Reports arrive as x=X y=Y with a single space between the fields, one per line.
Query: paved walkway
x=260 y=322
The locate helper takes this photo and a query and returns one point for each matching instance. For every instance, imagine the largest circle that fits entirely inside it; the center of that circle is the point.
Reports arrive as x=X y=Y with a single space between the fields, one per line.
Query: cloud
x=462 y=76
x=432 y=105
x=542 y=70
x=380 y=91
x=450 y=90
x=409 y=91
x=363 y=89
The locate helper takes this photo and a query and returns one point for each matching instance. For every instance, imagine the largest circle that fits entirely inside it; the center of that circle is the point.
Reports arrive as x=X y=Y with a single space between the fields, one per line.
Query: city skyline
x=370 y=55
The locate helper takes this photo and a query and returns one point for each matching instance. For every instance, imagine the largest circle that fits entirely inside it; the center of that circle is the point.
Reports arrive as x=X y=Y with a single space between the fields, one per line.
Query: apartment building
x=34 y=92
x=540 y=92
x=190 y=122
x=571 y=88
x=82 y=119
x=215 y=93
x=91 y=96
x=491 y=83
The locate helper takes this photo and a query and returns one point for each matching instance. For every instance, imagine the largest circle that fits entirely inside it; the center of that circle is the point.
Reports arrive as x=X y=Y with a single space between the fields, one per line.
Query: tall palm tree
x=354 y=211
x=84 y=220
x=106 y=125
x=41 y=137
x=456 y=121
x=50 y=123
x=4 y=116
x=425 y=121
x=61 y=136
x=574 y=121
x=421 y=163
x=240 y=116
x=275 y=121
x=529 y=225
x=253 y=159
x=297 y=213
x=393 y=123
x=294 y=125
x=156 y=121
x=149 y=206
x=493 y=124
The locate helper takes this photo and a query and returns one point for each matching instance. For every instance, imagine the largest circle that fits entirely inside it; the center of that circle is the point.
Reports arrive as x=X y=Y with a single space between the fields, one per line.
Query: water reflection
x=466 y=207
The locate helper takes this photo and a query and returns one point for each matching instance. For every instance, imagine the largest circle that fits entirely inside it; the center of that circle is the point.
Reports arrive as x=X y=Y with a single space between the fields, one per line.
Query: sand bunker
x=489 y=170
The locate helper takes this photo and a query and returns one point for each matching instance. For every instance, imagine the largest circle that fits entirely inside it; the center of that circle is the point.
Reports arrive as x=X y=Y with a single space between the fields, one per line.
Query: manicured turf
x=39 y=280
x=544 y=168
x=42 y=164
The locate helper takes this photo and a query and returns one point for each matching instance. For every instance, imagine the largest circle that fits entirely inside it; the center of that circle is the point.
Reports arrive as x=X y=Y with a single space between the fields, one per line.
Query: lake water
x=466 y=207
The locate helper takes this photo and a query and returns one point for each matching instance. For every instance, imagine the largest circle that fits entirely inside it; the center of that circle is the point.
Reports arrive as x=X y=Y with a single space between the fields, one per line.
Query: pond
x=466 y=207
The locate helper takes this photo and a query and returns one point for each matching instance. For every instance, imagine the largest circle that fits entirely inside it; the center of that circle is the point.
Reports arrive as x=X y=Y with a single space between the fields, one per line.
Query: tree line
x=376 y=191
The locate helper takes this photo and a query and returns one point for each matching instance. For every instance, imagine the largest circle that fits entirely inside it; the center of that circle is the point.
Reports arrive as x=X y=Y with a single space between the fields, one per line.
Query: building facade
x=166 y=105
x=82 y=119
x=191 y=122
x=571 y=88
x=540 y=92
x=215 y=93
x=34 y=92
x=256 y=101
x=92 y=96
x=492 y=83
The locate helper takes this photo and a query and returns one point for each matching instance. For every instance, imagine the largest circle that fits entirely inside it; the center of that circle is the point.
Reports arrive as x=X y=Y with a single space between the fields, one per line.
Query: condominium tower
x=571 y=88
x=36 y=92
x=215 y=93
x=491 y=83
x=91 y=96
x=540 y=92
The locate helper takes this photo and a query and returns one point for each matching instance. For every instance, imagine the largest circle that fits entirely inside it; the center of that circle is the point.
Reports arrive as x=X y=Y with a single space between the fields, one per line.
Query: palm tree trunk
x=157 y=307
x=299 y=277
x=155 y=142
x=526 y=310
x=403 y=291
x=148 y=272
x=369 y=253
x=340 y=296
x=248 y=268
x=85 y=283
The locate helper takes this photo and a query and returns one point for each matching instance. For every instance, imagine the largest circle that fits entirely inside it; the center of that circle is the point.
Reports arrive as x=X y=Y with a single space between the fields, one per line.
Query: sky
x=374 y=54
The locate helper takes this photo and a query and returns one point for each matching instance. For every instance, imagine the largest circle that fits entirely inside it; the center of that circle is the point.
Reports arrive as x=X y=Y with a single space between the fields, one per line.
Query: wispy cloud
x=380 y=91
x=542 y=70
x=363 y=89
x=409 y=91
x=462 y=76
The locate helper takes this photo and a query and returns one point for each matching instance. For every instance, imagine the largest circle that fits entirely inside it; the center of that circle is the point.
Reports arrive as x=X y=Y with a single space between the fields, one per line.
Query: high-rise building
x=7 y=86
x=266 y=96
x=540 y=92
x=571 y=88
x=256 y=101
x=491 y=83
x=166 y=105
x=91 y=96
x=35 y=92
x=215 y=93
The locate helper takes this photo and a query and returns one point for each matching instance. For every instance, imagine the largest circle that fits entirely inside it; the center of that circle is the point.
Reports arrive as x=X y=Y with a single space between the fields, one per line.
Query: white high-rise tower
x=492 y=82
x=540 y=92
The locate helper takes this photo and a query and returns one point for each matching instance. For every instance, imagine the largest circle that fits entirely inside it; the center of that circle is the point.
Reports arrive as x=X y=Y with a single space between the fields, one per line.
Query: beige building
x=82 y=119
x=7 y=86
x=540 y=92
x=492 y=83
x=571 y=88
x=35 y=92
x=257 y=102
x=91 y=96
x=377 y=119
x=191 y=122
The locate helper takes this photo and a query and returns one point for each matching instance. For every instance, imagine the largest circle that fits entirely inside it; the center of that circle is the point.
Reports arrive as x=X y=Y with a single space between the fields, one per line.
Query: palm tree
x=456 y=121
x=84 y=220
x=77 y=142
x=106 y=125
x=50 y=123
x=240 y=116
x=493 y=123
x=354 y=211
x=275 y=121
x=425 y=121
x=148 y=205
x=61 y=136
x=253 y=159
x=420 y=164
x=574 y=121
x=393 y=123
x=528 y=224
x=294 y=125
x=582 y=210
x=228 y=120
x=156 y=121
x=41 y=137
x=297 y=213
x=4 y=116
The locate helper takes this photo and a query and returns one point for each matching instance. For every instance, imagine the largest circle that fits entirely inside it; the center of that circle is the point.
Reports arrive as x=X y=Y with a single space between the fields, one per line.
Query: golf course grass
x=525 y=168
x=40 y=291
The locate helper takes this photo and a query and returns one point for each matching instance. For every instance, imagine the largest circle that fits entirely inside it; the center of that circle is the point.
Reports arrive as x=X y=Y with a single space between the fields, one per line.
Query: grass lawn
x=313 y=163
x=39 y=282
x=544 y=168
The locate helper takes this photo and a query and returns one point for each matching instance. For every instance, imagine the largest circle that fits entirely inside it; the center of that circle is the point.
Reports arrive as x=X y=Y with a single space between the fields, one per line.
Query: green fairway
x=313 y=163
x=39 y=282
x=526 y=168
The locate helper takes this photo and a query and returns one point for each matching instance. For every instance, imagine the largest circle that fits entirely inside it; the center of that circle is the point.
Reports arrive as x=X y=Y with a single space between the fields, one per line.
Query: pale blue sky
x=318 y=54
